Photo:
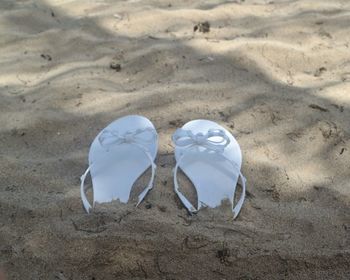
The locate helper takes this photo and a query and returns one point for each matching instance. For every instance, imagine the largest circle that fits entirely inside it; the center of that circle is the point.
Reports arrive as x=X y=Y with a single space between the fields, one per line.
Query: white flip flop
x=211 y=158
x=118 y=156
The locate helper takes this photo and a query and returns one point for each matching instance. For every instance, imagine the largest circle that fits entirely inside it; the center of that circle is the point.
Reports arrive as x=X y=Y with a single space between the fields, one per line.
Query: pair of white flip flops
x=206 y=152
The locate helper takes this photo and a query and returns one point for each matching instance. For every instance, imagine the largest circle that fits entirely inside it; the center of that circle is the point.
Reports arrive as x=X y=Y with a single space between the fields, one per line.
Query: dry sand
x=276 y=73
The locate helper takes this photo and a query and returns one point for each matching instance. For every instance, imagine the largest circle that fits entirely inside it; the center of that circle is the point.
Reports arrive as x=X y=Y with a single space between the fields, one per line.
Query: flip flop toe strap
x=191 y=209
x=150 y=183
x=86 y=203
x=240 y=202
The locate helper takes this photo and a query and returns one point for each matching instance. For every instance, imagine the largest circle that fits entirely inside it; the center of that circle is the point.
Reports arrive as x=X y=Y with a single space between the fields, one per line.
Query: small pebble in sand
x=115 y=66
x=320 y=71
x=148 y=206
x=202 y=27
x=46 y=56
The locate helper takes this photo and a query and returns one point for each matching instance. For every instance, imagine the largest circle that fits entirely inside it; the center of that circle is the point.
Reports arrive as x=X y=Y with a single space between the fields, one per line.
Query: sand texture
x=275 y=73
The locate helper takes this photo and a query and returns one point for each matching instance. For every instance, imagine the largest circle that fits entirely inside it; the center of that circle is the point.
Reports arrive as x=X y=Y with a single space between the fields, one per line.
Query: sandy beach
x=275 y=73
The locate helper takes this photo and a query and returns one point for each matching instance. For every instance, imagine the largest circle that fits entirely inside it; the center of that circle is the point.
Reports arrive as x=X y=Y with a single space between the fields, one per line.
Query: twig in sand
x=317 y=107
x=102 y=229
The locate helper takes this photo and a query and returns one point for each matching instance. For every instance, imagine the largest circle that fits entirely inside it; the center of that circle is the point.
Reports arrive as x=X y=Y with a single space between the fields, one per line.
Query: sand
x=276 y=73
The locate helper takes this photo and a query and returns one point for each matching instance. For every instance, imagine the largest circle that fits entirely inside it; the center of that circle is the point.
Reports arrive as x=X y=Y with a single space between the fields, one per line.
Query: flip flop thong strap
x=86 y=203
x=132 y=138
x=191 y=209
x=150 y=183
x=240 y=202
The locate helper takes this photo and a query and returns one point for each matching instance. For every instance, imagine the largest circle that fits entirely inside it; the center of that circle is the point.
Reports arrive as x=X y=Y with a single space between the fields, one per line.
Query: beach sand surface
x=275 y=73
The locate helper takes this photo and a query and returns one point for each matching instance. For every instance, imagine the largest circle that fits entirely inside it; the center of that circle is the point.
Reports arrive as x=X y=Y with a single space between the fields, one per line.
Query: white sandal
x=118 y=156
x=211 y=158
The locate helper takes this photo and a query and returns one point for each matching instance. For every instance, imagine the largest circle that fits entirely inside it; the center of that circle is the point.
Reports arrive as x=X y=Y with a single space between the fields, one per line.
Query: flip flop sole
x=212 y=175
x=114 y=171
